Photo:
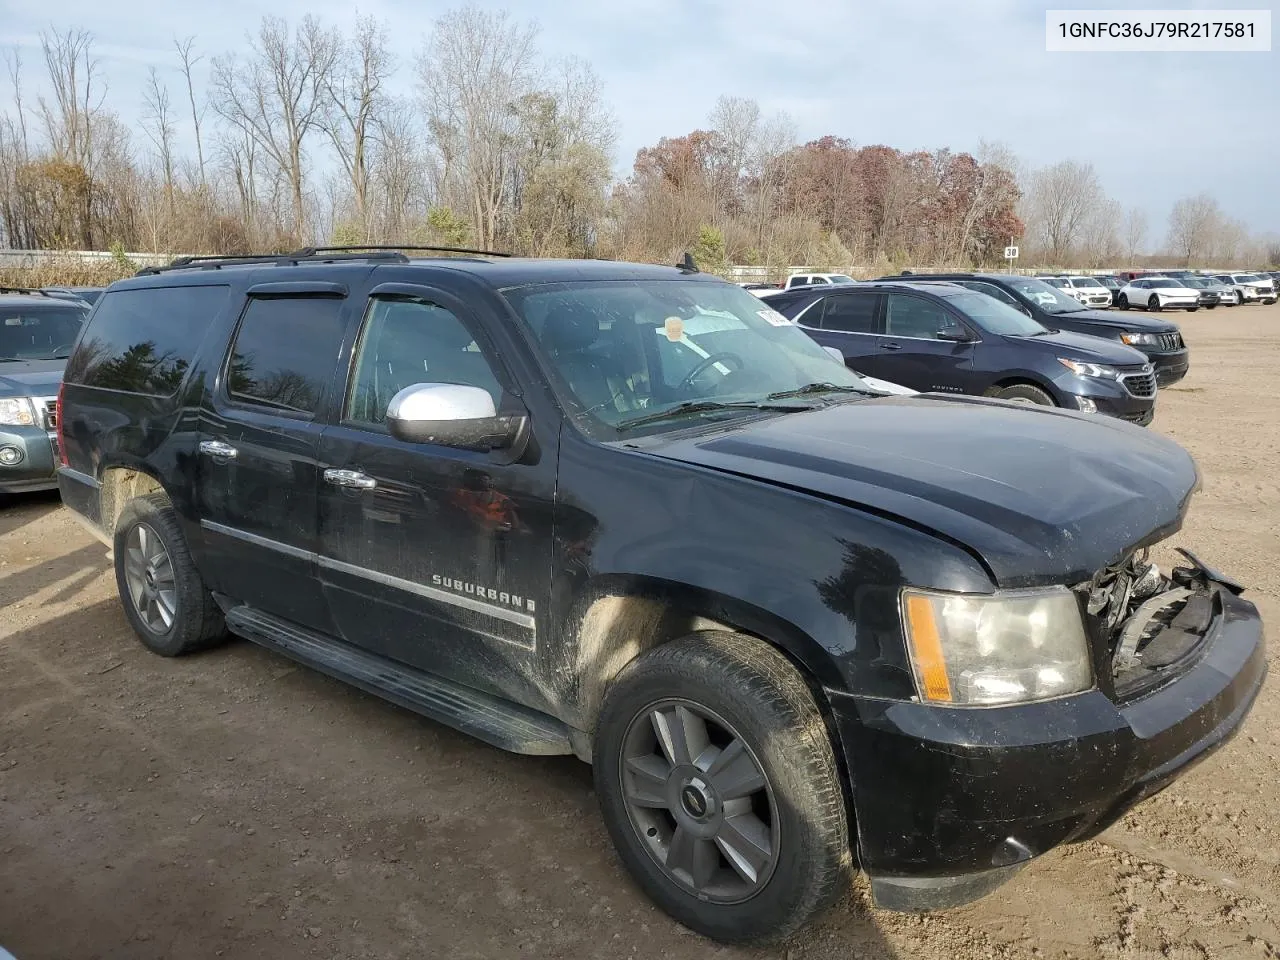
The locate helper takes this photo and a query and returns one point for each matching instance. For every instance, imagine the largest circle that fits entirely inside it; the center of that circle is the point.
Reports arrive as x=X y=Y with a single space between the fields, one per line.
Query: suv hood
x=1040 y=496
x=1109 y=318
x=30 y=378
x=1082 y=346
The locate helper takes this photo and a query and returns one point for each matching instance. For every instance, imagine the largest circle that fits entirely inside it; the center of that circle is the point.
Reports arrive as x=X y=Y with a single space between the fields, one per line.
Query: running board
x=491 y=719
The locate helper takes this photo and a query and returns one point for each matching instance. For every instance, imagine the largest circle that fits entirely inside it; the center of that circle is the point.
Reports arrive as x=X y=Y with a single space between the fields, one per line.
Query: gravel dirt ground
x=233 y=804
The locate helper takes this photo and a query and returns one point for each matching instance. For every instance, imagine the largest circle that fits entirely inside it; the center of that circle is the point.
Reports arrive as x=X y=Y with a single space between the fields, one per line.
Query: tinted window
x=907 y=316
x=1047 y=298
x=407 y=342
x=994 y=316
x=797 y=281
x=143 y=341
x=285 y=350
x=29 y=332
x=991 y=290
x=855 y=313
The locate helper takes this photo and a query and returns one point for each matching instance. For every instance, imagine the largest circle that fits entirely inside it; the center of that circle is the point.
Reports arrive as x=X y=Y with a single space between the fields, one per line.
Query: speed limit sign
x=1011 y=253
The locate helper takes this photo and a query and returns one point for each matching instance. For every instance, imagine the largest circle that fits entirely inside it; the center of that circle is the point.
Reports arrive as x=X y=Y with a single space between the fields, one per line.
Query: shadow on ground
x=234 y=802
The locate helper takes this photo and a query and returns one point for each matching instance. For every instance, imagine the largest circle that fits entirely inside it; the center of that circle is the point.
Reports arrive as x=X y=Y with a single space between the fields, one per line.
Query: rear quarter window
x=143 y=340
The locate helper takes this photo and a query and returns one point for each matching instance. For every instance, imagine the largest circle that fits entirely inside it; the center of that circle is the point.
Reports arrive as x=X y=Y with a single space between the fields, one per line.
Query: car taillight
x=57 y=415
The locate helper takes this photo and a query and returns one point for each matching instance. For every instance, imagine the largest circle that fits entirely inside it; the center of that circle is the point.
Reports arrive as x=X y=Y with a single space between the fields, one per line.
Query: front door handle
x=219 y=451
x=890 y=346
x=350 y=478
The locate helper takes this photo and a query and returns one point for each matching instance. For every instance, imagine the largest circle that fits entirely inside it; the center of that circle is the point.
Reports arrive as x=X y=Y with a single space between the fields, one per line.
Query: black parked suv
x=630 y=513
x=1160 y=340
x=37 y=330
x=945 y=337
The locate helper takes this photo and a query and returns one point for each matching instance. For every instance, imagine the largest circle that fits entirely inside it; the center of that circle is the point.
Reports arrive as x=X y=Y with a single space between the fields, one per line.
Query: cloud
x=914 y=74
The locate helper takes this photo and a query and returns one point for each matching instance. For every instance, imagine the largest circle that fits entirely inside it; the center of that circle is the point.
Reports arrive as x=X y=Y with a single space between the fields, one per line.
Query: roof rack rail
x=326 y=254
x=314 y=251
x=53 y=293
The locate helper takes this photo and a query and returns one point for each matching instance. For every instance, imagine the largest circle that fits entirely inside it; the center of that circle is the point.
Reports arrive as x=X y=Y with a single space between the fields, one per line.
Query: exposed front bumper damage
x=950 y=802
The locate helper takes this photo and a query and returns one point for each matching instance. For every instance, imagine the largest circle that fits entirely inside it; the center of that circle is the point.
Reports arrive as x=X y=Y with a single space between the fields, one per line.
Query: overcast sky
x=908 y=73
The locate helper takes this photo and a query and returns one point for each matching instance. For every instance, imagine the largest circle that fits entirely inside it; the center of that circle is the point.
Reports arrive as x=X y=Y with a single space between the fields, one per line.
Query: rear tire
x=1192 y=309
x=715 y=695
x=1022 y=393
x=163 y=595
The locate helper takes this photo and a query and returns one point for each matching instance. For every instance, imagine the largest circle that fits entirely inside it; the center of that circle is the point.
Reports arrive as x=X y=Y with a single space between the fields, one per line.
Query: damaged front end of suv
x=1152 y=625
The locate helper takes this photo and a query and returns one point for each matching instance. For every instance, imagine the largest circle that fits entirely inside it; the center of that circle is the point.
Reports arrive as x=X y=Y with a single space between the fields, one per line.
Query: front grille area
x=49 y=407
x=1170 y=341
x=1140 y=384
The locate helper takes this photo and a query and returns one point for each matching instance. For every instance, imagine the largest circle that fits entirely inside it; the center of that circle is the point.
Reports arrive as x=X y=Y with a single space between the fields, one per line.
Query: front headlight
x=17 y=412
x=1140 y=339
x=1099 y=371
x=979 y=651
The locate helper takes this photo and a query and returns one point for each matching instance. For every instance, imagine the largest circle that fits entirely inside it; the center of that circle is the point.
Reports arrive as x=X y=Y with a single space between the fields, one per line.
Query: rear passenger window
x=852 y=313
x=284 y=352
x=143 y=341
x=406 y=342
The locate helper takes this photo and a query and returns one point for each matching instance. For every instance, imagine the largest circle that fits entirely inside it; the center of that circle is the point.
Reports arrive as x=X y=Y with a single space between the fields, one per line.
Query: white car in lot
x=1250 y=287
x=1089 y=291
x=1158 y=293
x=806 y=279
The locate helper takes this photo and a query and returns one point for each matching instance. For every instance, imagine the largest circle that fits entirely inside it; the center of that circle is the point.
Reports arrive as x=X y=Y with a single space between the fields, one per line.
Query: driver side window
x=404 y=342
x=907 y=316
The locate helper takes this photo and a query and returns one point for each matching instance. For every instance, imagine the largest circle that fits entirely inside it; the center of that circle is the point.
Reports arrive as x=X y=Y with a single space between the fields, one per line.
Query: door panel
x=435 y=557
x=257 y=473
x=849 y=322
x=910 y=353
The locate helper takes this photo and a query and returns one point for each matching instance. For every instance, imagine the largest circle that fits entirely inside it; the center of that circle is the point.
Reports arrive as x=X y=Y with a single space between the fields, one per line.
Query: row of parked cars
x=634 y=514
x=1170 y=289
x=997 y=335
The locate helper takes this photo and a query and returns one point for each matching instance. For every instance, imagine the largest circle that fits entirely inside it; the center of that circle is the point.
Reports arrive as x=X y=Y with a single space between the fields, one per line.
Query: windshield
x=1196 y=282
x=995 y=317
x=1047 y=298
x=1058 y=282
x=1247 y=278
x=1086 y=282
x=626 y=349
x=1167 y=282
x=38 y=332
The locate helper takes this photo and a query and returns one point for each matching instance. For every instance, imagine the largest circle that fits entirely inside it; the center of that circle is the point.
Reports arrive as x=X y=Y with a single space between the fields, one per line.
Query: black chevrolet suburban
x=1160 y=340
x=630 y=513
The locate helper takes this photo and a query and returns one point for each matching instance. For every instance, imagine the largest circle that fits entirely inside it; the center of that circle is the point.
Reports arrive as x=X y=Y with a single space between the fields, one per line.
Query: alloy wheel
x=148 y=571
x=699 y=801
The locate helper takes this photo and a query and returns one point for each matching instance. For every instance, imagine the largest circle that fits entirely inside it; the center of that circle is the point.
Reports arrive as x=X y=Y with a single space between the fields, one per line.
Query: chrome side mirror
x=452 y=415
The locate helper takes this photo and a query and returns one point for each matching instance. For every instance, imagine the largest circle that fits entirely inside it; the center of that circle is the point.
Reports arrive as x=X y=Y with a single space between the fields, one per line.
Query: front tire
x=1192 y=309
x=1154 y=303
x=163 y=595
x=1022 y=393
x=1123 y=302
x=720 y=789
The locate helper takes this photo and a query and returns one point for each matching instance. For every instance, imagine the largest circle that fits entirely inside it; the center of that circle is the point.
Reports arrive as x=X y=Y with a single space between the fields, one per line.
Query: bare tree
x=13 y=64
x=352 y=111
x=474 y=67
x=157 y=123
x=1062 y=199
x=278 y=95
x=197 y=113
x=1193 y=227
x=1099 y=240
x=77 y=94
x=1134 y=233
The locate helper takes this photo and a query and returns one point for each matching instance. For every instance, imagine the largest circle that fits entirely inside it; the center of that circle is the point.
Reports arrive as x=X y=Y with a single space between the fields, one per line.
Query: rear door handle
x=350 y=478
x=219 y=451
x=890 y=346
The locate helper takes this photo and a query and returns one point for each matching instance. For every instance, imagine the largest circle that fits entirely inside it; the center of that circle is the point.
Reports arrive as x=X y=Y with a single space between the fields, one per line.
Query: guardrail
x=36 y=258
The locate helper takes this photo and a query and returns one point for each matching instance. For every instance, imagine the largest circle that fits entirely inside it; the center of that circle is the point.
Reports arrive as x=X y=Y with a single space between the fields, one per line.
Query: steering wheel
x=704 y=365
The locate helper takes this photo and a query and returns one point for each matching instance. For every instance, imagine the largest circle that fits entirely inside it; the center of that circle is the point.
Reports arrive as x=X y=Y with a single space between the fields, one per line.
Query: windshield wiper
x=706 y=406
x=810 y=388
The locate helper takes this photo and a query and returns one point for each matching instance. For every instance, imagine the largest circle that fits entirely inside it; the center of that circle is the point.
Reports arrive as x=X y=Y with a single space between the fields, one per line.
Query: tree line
x=310 y=134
